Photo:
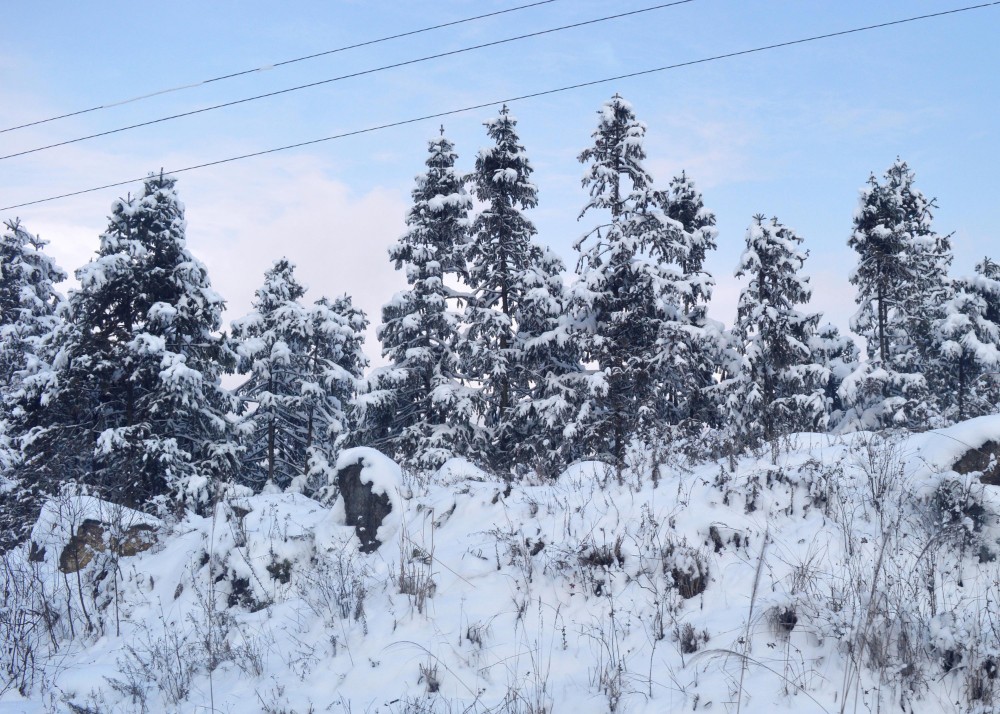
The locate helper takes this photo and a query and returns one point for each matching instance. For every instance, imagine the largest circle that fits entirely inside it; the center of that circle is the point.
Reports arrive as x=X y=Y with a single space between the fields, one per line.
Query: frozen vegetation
x=563 y=490
x=820 y=574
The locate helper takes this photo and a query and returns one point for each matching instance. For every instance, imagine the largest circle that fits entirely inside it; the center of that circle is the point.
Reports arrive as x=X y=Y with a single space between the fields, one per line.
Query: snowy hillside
x=827 y=574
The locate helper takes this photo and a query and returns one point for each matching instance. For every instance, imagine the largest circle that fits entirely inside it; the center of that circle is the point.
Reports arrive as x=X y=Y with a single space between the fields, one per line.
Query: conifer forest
x=591 y=492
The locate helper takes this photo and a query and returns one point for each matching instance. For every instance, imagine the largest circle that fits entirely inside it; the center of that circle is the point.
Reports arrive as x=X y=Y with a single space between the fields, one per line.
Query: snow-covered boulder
x=967 y=447
x=369 y=483
x=74 y=529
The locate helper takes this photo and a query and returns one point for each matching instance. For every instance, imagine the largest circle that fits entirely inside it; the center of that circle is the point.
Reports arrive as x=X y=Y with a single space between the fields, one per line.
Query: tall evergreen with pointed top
x=334 y=366
x=416 y=408
x=304 y=365
x=29 y=305
x=902 y=285
x=271 y=342
x=133 y=406
x=777 y=388
x=969 y=331
x=515 y=290
x=691 y=340
x=624 y=294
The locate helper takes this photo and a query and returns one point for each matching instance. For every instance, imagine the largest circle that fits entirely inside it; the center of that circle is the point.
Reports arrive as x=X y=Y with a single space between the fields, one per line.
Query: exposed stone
x=89 y=540
x=364 y=509
x=981 y=460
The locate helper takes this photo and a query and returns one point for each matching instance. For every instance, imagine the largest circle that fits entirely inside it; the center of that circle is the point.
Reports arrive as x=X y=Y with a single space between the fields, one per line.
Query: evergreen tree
x=837 y=357
x=416 y=408
x=513 y=308
x=29 y=306
x=624 y=294
x=335 y=364
x=777 y=388
x=691 y=341
x=500 y=251
x=132 y=404
x=271 y=347
x=970 y=336
x=549 y=376
x=902 y=285
x=28 y=299
x=304 y=364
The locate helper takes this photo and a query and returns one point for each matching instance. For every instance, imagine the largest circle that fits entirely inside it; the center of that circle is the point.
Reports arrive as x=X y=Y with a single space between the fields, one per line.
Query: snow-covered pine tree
x=623 y=296
x=691 y=340
x=837 y=356
x=29 y=305
x=304 y=364
x=970 y=336
x=335 y=364
x=510 y=347
x=777 y=388
x=271 y=344
x=416 y=407
x=902 y=284
x=28 y=298
x=548 y=369
x=133 y=406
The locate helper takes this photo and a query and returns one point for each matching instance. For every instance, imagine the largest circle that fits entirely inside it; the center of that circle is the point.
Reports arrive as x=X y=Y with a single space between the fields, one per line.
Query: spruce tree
x=690 y=341
x=304 y=364
x=902 y=285
x=623 y=296
x=271 y=344
x=416 y=408
x=514 y=301
x=970 y=335
x=29 y=306
x=549 y=375
x=28 y=299
x=334 y=367
x=837 y=357
x=133 y=406
x=777 y=388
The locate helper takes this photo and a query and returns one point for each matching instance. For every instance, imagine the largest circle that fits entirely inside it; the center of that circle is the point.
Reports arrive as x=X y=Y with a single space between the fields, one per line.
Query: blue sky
x=792 y=132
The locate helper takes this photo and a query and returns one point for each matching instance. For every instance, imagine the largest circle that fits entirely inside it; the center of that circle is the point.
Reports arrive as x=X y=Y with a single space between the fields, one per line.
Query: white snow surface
x=598 y=591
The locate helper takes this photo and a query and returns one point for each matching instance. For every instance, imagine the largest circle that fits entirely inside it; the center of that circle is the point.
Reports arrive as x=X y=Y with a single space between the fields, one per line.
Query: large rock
x=367 y=480
x=89 y=540
x=984 y=459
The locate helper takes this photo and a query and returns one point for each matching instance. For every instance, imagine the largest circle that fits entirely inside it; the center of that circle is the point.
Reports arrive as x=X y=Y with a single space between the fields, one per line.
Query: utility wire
x=533 y=95
x=362 y=73
x=267 y=67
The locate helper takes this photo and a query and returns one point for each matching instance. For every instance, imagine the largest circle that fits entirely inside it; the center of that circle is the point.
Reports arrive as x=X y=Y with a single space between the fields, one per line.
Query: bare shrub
x=169 y=663
x=687 y=567
x=429 y=676
x=416 y=564
x=689 y=640
x=27 y=624
x=336 y=586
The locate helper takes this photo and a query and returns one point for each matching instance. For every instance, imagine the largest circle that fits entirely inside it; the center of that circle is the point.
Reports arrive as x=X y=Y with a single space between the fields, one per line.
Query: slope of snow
x=827 y=574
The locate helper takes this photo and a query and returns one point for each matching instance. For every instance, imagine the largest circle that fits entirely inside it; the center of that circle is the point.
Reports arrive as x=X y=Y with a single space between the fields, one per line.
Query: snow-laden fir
x=599 y=497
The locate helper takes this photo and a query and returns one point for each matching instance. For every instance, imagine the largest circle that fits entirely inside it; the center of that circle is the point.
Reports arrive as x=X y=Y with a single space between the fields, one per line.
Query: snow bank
x=829 y=569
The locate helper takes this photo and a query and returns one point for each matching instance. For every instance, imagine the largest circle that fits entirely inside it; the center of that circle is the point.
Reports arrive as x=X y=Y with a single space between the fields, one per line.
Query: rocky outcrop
x=985 y=460
x=90 y=539
x=363 y=507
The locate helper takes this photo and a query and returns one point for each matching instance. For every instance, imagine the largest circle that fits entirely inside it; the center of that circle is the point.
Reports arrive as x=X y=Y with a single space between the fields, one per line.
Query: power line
x=267 y=67
x=522 y=97
x=362 y=73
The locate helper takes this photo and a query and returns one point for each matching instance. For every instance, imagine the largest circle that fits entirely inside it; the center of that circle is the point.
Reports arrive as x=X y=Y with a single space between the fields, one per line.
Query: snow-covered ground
x=828 y=574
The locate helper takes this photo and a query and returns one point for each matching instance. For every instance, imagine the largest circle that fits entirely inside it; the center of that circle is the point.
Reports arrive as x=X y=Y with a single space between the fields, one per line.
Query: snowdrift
x=826 y=574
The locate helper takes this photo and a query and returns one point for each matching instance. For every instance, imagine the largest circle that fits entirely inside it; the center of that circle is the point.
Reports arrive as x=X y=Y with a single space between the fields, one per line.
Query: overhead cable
x=351 y=75
x=274 y=65
x=509 y=100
